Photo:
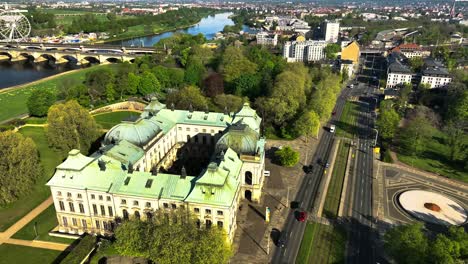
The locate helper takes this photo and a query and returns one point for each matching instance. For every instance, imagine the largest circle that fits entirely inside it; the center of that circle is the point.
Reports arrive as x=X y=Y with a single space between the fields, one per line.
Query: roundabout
x=432 y=207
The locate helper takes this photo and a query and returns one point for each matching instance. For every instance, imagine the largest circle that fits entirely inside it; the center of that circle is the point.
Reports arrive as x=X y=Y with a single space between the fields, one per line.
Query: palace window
x=72 y=207
x=79 y=196
x=135 y=203
x=111 y=212
x=208 y=223
x=137 y=215
x=106 y=225
x=80 y=205
x=98 y=226
x=59 y=193
x=148 y=204
x=166 y=205
x=123 y=201
x=62 y=206
x=196 y=210
x=174 y=206
x=93 y=196
x=74 y=222
x=108 y=198
x=103 y=210
x=100 y=198
x=220 y=212
x=220 y=224
x=207 y=211
x=83 y=223
x=125 y=214
x=69 y=195
x=95 y=209
x=65 y=221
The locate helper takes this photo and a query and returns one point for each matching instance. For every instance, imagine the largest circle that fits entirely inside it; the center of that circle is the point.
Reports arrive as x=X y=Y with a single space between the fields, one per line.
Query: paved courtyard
x=253 y=233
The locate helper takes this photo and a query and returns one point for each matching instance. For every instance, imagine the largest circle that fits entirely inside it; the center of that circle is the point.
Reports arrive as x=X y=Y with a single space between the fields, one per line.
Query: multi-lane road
x=359 y=200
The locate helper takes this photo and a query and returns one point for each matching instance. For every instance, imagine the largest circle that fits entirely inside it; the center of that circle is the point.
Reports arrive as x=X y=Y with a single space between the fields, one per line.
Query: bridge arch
x=69 y=58
x=2 y=54
x=92 y=59
x=114 y=60
x=28 y=56
x=48 y=57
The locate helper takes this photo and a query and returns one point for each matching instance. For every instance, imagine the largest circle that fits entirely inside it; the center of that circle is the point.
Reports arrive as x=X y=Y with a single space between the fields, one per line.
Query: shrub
x=287 y=156
x=80 y=251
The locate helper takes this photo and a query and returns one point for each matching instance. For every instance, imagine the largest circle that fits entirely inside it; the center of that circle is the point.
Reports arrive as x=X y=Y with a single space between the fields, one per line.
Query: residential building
x=265 y=38
x=304 y=51
x=351 y=52
x=165 y=159
x=434 y=74
x=290 y=24
x=410 y=50
x=331 y=31
x=398 y=73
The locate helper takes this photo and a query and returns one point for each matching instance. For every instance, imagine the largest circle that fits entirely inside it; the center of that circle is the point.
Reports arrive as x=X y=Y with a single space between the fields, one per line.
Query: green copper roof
x=75 y=161
x=218 y=184
x=125 y=152
x=249 y=117
x=170 y=117
x=165 y=186
x=152 y=108
x=239 y=137
x=137 y=132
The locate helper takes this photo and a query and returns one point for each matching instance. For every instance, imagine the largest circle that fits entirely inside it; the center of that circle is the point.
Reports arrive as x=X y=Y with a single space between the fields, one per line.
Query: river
x=23 y=72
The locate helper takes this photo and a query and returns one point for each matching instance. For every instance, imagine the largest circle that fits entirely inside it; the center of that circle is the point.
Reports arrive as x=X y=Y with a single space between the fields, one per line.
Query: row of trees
x=173 y=237
x=412 y=244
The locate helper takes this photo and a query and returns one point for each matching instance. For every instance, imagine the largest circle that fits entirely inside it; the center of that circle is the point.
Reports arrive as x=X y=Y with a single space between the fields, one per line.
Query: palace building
x=164 y=159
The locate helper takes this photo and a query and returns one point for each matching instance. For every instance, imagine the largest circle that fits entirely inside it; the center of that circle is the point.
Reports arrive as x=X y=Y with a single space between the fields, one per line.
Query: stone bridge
x=80 y=54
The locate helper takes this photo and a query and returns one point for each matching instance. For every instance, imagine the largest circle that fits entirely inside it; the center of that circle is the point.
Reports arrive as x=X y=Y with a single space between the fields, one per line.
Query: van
x=332 y=129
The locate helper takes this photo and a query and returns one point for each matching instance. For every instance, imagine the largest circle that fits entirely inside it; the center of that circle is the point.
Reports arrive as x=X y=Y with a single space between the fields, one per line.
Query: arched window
x=125 y=214
x=208 y=223
x=137 y=215
x=248 y=177
x=149 y=215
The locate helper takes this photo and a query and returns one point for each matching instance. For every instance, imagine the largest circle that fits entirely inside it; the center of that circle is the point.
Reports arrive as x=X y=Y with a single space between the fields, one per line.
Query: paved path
x=5 y=237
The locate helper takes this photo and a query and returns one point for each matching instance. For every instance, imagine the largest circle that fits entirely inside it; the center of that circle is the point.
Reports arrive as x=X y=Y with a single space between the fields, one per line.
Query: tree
x=416 y=63
x=172 y=237
x=454 y=139
x=331 y=50
x=71 y=127
x=19 y=166
x=213 y=85
x=186 y=97
x=97 y=82
x=414 y=135
x=287 y=156
x=405 y=91
x=388 y=122
x=234 y=64
x=444 y=250
x=194 y=71
x=307 y=124
x=407 y=244
x=148 y=84
x=80 y=94
x=133 y=82
x=458 y=110
x=39 y=102
x=229 y=102
x=247 y=85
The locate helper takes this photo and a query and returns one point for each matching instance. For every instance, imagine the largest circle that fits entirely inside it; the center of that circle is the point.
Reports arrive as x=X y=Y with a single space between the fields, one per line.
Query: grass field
x=322 y=244
x=108 y=120
x=346 y=126
x=14 y=101
x=435 y=158
x=46 y=221
x=21 y=254
x=39 y=192
x=332 y=200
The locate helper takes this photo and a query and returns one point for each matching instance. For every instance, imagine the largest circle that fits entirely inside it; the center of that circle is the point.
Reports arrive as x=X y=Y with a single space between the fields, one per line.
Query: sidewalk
x=5 y=237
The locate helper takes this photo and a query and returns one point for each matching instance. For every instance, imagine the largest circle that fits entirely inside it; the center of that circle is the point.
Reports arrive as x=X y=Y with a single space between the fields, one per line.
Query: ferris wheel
x=14 y=26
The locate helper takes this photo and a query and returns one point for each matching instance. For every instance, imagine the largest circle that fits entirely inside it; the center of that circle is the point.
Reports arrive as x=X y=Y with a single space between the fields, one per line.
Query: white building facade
x=304 y=51
x=331 y=31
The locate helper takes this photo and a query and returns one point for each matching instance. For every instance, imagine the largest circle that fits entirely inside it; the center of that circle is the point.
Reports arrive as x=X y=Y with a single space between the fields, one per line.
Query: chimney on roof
x=154 y=171
x=172 y=107
x=207 y=111
x=102 y=165
x=183 y=173
x=226 y=111
x=190 y=108
x=130 y=168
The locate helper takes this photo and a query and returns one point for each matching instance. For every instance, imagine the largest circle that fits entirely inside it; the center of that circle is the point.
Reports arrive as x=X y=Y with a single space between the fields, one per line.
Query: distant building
x=398 y=73
x=265 y=38
x=351 y=52
x=331 y=30
x=347 y=66
x=435 y=74
x=410 y=50
x=290 y=24
x=305 y=51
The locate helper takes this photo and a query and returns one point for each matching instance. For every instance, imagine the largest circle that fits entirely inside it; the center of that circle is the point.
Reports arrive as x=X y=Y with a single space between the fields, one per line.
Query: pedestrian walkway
x=5 y=237
x=38 y=244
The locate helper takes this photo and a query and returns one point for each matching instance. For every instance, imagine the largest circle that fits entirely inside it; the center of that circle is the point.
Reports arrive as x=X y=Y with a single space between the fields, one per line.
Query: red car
x=301 y=216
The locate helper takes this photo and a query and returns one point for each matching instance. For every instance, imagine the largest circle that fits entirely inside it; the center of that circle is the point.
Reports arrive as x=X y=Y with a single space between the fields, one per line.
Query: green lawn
x=435 y=158
x=346 y=127
x=46 y=221
x=36 y=120
x=11 y=254
x=332 y=200
x=108 y=120
x=306 y=244
x=14 y=101
x=322 y=244
x=49 y=160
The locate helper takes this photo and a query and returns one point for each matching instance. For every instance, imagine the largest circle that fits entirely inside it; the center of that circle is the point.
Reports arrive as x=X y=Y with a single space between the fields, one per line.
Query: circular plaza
x=432 y=207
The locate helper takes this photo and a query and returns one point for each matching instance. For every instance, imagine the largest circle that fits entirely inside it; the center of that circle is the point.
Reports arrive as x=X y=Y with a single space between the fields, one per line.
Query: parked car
x=327 y=165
